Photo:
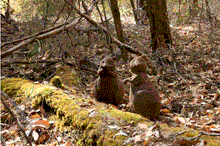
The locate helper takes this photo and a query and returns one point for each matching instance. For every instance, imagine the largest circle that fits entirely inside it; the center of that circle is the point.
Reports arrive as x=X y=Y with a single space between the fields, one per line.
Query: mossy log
x=87 y=120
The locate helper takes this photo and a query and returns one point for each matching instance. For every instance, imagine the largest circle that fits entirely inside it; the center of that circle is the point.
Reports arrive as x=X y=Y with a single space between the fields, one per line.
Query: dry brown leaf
x=148 y=134
x=179 y=120
x=165 y=112
x=42 y=111
x=166 y=101
x=211 y=116
x=34 y=117
x=68 y=143
x=42 y=123
x=183 y=142
x=206 y=128
x=139 y=138
x=33 y=112
x=197 y=100
x=44 y=138
x=142 y=126
x=53 y=144
x=218 y=112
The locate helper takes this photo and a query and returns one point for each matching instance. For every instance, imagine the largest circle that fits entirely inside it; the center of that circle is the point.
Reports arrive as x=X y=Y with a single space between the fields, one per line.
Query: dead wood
x=39 y=36
x=116 y=41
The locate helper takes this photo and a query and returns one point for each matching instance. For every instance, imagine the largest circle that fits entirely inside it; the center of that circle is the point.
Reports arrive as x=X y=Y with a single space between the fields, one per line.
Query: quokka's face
x=137 y=65
x=107 y=67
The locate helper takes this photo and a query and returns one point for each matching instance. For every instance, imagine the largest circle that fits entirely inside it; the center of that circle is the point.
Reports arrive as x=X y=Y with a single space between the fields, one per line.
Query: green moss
x=127 y=116
x=212 y=141
x=80 y=142
x=12 y=85
x=89 y=142
x=56 y=81
x=91 y=125
x=190 y=134
x=69 y=115
x=68 y=77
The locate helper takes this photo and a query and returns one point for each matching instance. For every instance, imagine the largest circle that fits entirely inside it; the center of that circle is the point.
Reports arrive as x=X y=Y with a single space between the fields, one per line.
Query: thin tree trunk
x=118 y=26
x=133 y=8
x=159 y=25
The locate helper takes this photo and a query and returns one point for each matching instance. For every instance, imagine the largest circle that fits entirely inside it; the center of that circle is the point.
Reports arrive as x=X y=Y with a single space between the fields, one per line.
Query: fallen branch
x=116 y=41
x=13 y=116
x=10 y=51
x=34 y=35
x=69 y=63
x=4 y=64
x=211 y=134
x=39 y=37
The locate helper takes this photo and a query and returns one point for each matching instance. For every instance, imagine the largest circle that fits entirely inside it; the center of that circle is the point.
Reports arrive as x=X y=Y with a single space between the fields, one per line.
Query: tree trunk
x=134 y=11
x=143 y=8
x=118 y=26
x=159 y=25
x=193 y=7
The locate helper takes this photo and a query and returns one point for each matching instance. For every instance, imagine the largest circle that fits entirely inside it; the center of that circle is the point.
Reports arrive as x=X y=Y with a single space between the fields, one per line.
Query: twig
x=77 y=64
x=10 y=51
x=2 y=140
x=58 y=17
x=42 y=36
x=211 y=134
x=116 y=41
x=191 y=40
x=13 y=116
x=103 y=7
x=85 y=7
x=45 y=22
x=73 y=65
x=29 y=62
x=34 y=35
x=100 y=14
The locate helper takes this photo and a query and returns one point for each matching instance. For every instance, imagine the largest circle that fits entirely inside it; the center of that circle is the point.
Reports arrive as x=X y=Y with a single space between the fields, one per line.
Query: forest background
x=47 y=43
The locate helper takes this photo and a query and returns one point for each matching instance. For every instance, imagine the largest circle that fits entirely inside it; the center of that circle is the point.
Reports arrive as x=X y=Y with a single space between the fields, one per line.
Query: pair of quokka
x=144 y=96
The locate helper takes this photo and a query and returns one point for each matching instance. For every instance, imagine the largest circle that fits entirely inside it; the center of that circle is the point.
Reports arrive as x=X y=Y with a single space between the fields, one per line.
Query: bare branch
x=13 y=116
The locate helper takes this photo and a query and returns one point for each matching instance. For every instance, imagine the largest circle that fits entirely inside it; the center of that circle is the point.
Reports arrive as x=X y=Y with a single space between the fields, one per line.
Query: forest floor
x=189 y=85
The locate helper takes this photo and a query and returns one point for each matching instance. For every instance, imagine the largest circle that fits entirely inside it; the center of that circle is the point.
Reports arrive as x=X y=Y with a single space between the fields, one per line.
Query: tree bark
x=159 y=25
x=118 y=27
x=133 y=8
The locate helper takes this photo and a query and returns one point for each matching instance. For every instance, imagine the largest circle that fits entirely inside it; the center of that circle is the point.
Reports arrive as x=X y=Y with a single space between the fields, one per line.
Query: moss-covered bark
x=87 y=119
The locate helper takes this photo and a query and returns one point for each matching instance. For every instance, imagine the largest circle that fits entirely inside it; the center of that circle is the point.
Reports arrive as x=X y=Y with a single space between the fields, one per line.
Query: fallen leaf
x=42 y=123
x=44 y=138
x=68 y=143
x=140 y=137
x=120 y=133
x=114 y=127
x=179 y=120
x=164 y=111
x=142 y=126
x=34 y=117
x=35 y=135
x=183 y=142
x=166 y=101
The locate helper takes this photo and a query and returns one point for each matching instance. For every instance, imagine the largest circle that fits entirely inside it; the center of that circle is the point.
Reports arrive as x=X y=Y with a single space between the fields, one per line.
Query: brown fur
x=138 y=65
x=108 y=88
x=144 y=96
